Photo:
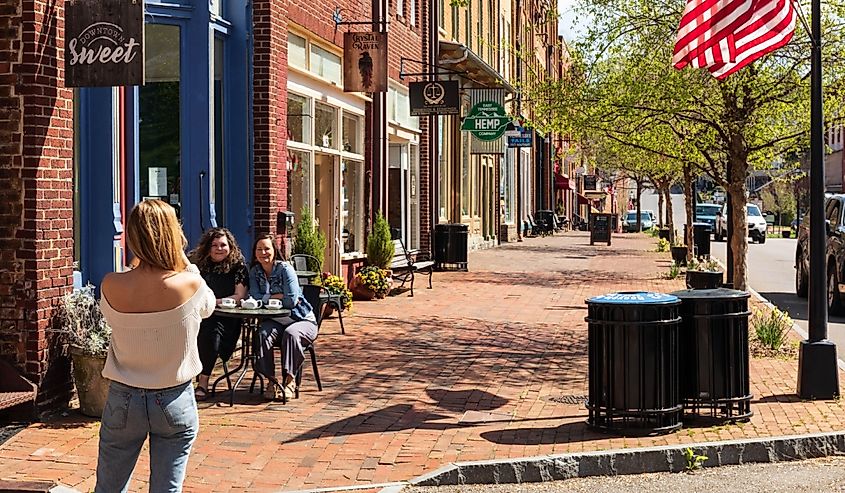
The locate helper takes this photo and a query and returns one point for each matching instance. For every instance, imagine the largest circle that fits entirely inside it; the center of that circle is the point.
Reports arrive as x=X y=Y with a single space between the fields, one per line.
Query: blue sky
x=567 y=18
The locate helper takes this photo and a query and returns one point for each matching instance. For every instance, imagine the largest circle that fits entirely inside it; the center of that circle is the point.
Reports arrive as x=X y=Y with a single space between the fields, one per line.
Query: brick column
x=270 y=63
x=36 y=220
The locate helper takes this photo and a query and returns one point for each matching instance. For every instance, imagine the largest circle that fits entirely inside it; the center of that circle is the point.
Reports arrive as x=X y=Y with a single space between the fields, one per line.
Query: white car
x=756 y=224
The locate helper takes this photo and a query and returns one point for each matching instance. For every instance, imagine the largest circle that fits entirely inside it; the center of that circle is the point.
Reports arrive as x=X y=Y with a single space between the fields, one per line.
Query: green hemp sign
x=487 y=120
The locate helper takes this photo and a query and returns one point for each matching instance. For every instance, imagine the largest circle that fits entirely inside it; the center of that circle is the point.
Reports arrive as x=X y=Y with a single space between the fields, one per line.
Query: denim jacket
x=282 y=280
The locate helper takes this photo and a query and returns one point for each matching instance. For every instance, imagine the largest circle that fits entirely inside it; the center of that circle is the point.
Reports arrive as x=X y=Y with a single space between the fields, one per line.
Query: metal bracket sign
x=104 y=43
x=365 y=62
x=521 y=138
x=435 y=98
x=487 y=120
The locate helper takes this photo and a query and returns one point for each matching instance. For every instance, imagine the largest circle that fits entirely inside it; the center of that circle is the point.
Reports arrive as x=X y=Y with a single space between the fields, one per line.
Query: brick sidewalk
x=481 y=367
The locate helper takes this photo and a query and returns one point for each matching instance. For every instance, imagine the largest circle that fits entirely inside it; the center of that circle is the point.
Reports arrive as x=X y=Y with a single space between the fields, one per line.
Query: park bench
x=404 y=267
x=15 y=389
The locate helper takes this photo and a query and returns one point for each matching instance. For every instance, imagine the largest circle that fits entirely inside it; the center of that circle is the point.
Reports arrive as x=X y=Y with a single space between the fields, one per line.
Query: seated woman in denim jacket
x=270 y=277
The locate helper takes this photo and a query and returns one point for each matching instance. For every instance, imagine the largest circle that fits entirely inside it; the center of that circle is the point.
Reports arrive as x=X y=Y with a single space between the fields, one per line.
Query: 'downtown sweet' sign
x=104 y=43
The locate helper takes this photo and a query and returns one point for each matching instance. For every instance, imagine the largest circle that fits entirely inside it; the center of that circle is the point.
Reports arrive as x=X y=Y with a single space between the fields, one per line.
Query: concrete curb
x=634 y=461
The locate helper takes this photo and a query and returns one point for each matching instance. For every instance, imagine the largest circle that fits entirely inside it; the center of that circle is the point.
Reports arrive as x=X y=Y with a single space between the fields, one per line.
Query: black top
x=223 y=284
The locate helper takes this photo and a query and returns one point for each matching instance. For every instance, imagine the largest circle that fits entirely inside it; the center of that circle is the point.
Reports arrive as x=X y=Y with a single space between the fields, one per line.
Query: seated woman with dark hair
x=270 y=277
x=222 y=265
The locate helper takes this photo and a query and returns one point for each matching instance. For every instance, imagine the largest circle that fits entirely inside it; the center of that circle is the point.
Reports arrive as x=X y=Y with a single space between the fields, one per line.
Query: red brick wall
x=269 y=107
x=36 y=153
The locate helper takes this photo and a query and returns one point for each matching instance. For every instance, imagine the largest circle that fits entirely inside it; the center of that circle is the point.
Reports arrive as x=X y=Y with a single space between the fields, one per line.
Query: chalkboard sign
x=600 y=228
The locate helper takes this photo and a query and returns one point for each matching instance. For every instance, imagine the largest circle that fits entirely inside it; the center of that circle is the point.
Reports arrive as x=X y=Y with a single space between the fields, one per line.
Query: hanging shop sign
x=104 y=43
x=435 y=98
x=522 y=137
x=590 y=182
x=365 y=62
x=487 y=120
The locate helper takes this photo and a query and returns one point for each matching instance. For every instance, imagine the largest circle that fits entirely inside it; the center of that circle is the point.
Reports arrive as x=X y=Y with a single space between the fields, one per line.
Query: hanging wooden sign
x=104 y=43
x=365 y=62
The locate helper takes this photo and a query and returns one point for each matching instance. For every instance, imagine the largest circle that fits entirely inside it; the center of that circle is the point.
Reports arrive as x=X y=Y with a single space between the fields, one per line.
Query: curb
x=633 y=461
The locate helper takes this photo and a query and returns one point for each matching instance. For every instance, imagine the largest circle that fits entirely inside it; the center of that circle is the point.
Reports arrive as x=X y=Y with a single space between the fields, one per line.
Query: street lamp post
x=818 y=372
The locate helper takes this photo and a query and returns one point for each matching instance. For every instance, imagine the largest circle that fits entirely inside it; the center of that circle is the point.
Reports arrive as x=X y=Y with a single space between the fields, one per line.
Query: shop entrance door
x=399 y=181
x=327 y=206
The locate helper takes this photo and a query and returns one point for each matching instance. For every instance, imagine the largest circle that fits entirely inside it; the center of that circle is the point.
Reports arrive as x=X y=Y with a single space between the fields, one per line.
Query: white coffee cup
x=250 y=303
x=228 y=303
x=274 y=303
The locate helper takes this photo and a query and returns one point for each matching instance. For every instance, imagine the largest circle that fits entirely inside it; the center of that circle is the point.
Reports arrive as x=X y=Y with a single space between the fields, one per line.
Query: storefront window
x=158 y=125
x=325 y=125
x=219 y=168
x=444 y=169
x=352 y=134
x=299 y=182
x=506 y=188
x=325 y=64
x=297 y=51
x=352 y=205
x=299 y=120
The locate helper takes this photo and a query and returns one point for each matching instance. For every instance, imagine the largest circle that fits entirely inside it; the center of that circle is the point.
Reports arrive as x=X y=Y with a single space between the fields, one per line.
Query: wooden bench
x=15 y=389
x=404 y=267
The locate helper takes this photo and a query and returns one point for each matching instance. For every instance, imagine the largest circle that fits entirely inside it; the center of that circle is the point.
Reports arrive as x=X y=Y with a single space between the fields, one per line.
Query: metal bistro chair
x=302 y=262
x=305 y=263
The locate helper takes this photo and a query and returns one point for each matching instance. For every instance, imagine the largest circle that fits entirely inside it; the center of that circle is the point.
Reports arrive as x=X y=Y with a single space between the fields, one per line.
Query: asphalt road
x=771 y=272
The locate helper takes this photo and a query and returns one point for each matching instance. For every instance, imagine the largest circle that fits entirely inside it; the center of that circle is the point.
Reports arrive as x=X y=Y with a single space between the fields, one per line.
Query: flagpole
x=818 y=372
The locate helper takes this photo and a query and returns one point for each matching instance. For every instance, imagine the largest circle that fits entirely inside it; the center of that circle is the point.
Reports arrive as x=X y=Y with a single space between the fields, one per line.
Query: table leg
x=241 y=364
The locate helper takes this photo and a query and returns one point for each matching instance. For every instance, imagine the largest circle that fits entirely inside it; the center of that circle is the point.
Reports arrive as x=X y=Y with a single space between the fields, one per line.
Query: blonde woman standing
x=154 y=311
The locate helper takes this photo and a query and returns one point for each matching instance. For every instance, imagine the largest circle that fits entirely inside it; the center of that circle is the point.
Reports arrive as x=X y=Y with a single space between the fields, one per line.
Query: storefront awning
x=456 y=56
x=562 y=182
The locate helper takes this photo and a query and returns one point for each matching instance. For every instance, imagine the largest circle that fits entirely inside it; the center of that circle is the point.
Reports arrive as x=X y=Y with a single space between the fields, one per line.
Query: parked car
x=629 y=221
x=707 y=213
x=835 y=252
x=756 y=226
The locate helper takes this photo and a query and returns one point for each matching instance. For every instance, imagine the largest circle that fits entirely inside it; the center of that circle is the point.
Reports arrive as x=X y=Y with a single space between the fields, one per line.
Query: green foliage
x=309 y=240
x=336 y=285
x=674 y=271
x=375 y=279
x=772 y=327
x=662 y=245
x=81 y=322
x=380 y=248
x=693 y=460
x=653 y=232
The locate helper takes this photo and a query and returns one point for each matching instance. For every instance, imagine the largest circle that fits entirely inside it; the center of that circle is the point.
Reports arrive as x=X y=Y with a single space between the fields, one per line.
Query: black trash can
x=633 y=363
x=701 y=239
x=450 y=246
x=714 y=353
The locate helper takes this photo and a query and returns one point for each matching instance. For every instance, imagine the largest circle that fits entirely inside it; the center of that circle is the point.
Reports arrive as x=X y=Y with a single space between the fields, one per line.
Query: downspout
x=250 y=40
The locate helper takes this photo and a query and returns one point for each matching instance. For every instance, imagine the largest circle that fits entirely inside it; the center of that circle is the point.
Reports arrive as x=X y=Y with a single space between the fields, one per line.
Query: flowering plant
x=375 y=279
x=336 y=285
x=81 y=322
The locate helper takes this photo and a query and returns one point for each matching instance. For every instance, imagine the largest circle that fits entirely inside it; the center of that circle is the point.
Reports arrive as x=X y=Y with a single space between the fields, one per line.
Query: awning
x=562 y=182
x=458 y=57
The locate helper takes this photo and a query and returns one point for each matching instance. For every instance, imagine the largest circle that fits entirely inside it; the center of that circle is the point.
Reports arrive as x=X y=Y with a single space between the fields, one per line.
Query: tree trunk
x=739 y=223
x=688 y=199
x=670 y=221
x=657 y=189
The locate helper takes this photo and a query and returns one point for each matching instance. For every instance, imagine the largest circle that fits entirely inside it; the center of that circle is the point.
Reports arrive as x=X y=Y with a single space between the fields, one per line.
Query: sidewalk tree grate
x=569 y=399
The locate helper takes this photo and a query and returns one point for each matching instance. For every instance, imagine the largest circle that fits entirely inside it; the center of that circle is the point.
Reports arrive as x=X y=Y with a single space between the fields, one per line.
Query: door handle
x=200 y=202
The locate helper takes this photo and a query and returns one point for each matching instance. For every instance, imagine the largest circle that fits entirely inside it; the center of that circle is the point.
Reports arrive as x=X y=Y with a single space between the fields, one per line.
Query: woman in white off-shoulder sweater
x=154 y=312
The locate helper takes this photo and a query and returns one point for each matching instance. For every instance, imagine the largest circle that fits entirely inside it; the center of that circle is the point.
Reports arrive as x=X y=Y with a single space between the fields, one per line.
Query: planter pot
x=91 y=387
x=665 y=234
x=786 y=234
x=679 y=255
x=360 y=292
x=697 y=279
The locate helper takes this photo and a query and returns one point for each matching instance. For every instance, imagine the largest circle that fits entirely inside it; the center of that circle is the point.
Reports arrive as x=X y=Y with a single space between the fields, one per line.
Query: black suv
x=834 y=206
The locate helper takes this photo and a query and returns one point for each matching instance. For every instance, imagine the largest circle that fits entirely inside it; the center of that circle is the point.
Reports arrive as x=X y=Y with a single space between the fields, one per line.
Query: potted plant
x=786 y=233
x=380 y=248
x=309 y=240
x=704 y=274
x=370 y=283
x=335 y=285
x=87 y=333
x=679 y=254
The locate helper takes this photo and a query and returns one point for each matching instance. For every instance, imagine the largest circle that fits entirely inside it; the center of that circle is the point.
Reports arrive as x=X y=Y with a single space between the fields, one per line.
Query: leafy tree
x=310 y=240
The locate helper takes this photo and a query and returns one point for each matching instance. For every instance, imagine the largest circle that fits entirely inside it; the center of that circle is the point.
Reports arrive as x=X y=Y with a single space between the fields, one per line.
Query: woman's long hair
x=201 y=255
x=154 y=236
x=277 y=254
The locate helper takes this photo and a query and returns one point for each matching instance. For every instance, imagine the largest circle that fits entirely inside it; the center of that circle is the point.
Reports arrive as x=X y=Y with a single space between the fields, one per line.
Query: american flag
x=725 y=35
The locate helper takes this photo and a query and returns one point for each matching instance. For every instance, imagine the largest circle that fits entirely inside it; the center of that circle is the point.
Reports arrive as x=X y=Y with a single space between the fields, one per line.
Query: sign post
x=104 y=43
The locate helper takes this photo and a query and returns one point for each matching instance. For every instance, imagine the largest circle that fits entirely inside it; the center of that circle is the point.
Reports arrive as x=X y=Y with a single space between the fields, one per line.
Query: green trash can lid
x=634 y=298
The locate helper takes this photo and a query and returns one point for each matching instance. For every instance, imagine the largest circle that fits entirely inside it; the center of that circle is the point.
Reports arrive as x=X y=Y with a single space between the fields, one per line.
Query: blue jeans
x=168 y=416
